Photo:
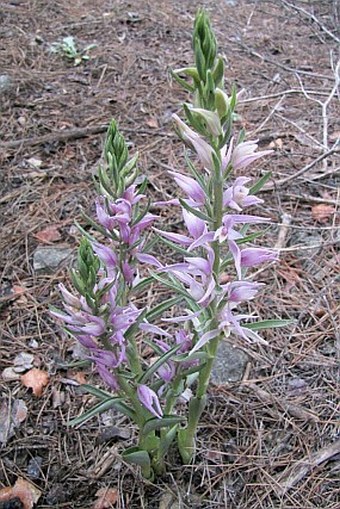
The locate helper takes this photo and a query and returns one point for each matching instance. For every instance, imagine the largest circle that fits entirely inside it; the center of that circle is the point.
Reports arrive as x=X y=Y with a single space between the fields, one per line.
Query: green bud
x=182 y=82
x=209 y=91
x=209 y=120
x=218 y=72
x=115 y=146
x=204 y=41
x=130 y=167
x=200 y=60
x=222 y=102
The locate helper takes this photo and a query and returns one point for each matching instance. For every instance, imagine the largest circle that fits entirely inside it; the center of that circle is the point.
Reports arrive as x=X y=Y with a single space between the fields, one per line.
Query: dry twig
x=300 y=469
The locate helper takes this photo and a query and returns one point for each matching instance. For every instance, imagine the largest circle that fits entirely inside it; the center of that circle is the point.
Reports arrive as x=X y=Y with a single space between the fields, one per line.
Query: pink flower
x=237 y=196
x=251 y=257
x=191 y=188
x=149 y=400
x=203 y=150
x=245 y=153
x=196 y=227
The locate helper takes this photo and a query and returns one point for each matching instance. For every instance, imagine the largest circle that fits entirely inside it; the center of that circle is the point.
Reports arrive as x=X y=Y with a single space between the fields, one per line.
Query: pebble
x=230 y=364
x=48 y=259
x=34 y=467
x=5 y=83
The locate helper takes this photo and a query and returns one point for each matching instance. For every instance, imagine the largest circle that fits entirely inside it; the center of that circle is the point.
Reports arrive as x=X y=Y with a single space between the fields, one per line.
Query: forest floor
x=269 y=440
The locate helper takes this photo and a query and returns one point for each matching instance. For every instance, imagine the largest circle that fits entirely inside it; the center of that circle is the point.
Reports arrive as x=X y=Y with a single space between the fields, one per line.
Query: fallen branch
x=309 y=166
x=294 y=410
x=300 y=469
x=311 y=16
x=283 y=231
x=70 y=134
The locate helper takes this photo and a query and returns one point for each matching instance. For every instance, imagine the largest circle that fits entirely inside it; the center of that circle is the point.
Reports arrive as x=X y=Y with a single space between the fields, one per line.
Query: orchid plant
x=165 y=395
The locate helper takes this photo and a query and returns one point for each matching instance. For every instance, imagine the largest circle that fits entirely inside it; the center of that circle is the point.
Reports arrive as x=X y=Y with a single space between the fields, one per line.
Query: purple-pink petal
x=251 y=257
x=149 y=400
x=190 y=187
x=195 y=225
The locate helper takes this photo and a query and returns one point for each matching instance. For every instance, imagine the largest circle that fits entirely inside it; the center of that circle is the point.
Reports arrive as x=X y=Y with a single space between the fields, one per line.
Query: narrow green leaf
x=251 y=237
x=185 y=357
x=182 y=82
x=160 y=308
x=196 y=212
x=260 y=183
x=199 y=176
x=194 y=369
x=118 y=403
x=176 y=247
x=199 y=59
x=142 y=214
x=99 y=393
x=137 y=456
x=156 y=365
x=268 y=324
x=143 y=284
x=218 y=72
x=153 y=346
x=167 y=440
x=101 y=407
x=155 y=423
x=171 y=284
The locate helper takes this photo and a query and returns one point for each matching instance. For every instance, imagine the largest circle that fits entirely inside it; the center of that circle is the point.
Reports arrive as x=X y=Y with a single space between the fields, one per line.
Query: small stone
x=23 y=361
x=47 y=259
x=57 y=495
x=168 y=502
x=5 y=83
x=296 y=383
x=114 y=433
x=79 y=351
x=229 y=365
x=34 y=162
x=33 y=343
x=9 y=375
x=34 y=467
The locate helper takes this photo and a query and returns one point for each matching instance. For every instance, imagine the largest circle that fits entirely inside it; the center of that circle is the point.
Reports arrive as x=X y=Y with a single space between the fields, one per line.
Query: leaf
x=160 y=308
x=268 y=324
x=26 y=492
x=137 y=457
x=260 y=183
x=35 y=379
x=156 y=365
x=11 y=416
x=176 y=247
x=155 y=423
x=118 y=403
x=172 y=284
x=142 y=284
x=22 y=362
x=48 y=235
x=196 y=212
x=107 y=498
x=101 y=407
x=152 y=122
x=167 y=440
x=322 y=212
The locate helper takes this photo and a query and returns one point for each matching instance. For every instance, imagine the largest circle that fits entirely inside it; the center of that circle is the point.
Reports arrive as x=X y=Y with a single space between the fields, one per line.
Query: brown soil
x=270 y=441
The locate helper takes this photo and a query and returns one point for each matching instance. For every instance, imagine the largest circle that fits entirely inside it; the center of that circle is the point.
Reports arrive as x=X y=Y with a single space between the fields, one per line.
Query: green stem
x=186 y=437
